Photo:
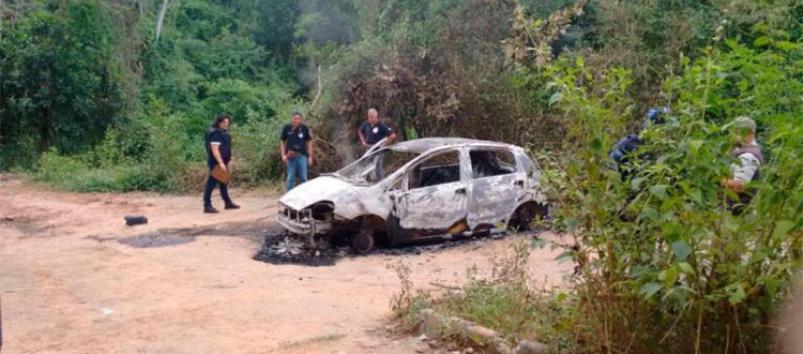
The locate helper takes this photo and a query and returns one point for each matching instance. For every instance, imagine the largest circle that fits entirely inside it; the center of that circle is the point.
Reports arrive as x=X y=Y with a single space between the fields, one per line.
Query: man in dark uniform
x=628 y=144
x=218 y=151
x=296 y=150
x=372 y=131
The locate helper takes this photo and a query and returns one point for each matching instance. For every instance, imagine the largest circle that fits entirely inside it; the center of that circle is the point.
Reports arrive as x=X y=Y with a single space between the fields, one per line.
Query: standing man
x=746 y=168
x=372 y=131
x=218 y=151
x=296 y=150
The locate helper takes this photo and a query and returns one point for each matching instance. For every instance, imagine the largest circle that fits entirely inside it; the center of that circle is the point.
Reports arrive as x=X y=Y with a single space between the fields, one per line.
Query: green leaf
x=686 y=268
x=649 y=213
x=572 y=224
x=565 y=256
x=681 y=250
x=635 y=184
x=782 y=228
x=649 y=289
x=596 y=144
x=538 y=243
x=735 y=294
x=659 y=191
x=696 y=145
x=560 y=297
x=557 y=96
x=762 y=41
x=669 y=276
x=787 y=46
x=771 y=285
x=696 y=195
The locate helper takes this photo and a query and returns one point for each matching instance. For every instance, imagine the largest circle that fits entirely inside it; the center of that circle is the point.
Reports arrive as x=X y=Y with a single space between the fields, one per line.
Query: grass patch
x=74 y=174
x=504 y=303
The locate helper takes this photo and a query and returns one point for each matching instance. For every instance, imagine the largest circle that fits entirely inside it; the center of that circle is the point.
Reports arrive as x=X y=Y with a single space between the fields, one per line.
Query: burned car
x=416 y=190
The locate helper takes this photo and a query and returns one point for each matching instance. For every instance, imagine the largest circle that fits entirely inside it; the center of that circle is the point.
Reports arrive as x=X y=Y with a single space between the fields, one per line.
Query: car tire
x=525 y=215
x=364 y=241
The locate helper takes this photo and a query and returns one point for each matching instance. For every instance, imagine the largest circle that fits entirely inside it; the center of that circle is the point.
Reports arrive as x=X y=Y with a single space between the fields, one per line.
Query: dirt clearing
x=75 y=279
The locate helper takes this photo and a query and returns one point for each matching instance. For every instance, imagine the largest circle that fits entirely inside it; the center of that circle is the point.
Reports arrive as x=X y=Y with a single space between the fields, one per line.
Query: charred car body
x=419 y=189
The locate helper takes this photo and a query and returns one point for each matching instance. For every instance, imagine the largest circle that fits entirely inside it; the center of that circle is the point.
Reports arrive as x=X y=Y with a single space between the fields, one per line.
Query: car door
x=436 y=194
x=497 y=183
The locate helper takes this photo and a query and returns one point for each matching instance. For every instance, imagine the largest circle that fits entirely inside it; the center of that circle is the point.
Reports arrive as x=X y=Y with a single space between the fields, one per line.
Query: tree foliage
x=660 y=253
x=60 y=82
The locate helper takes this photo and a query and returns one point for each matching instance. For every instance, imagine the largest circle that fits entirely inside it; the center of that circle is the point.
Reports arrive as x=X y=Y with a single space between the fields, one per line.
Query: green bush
x=70 y=173
x=664 y=266
x=57 y=169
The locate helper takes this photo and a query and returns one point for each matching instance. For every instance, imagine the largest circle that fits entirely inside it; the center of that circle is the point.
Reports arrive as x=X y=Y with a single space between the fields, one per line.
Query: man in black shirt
x=296 y=150
x=372 y=131
x=218 y=151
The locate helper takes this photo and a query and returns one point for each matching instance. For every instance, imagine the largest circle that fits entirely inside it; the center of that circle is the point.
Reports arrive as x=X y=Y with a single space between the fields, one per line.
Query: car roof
x=420 y=146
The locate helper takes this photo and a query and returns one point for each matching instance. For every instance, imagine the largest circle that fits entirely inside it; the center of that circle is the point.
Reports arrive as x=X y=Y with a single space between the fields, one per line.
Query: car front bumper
x=301 y=222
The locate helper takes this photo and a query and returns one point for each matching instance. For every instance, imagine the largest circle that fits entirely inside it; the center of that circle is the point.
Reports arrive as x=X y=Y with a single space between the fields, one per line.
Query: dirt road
x=75 y=279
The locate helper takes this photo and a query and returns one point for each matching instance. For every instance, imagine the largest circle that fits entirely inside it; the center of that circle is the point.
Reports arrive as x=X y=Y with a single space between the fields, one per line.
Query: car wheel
x=525 y=215
x=363 y=242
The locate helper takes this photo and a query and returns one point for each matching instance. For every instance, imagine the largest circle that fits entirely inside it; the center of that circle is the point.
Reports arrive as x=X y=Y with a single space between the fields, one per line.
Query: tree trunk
x=44 y=130
x=140 y=7
x=160 y=20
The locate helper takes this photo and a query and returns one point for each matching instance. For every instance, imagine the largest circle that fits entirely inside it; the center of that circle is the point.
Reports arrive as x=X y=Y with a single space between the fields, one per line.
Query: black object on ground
x=132 y=220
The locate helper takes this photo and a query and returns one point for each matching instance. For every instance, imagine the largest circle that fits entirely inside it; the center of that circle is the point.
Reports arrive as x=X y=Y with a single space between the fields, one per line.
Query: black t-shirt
x=296 y=139
x=214 y=137
x=373 y=134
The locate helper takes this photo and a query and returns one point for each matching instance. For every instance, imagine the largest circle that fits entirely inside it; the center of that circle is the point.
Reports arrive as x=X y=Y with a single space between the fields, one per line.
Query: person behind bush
x=622 y=150
x=218 y=151
x=296 y=150
x=746 y=168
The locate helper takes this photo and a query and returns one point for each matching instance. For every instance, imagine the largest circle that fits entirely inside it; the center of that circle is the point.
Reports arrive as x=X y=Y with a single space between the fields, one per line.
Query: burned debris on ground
x=284 y=248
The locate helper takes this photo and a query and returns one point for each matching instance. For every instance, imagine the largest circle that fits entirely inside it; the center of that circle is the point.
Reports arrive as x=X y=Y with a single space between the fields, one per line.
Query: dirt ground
x=75 y=279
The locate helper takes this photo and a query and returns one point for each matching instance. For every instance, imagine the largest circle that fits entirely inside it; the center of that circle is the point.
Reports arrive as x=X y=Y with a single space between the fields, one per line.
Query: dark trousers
x=211 y=183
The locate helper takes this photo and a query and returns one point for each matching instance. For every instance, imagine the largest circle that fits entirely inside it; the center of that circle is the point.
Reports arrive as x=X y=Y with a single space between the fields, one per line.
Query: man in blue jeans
x=296 y=149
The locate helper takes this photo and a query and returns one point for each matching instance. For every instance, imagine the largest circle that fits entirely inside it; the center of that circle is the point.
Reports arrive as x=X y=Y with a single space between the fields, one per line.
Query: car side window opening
x=487 y=163
x=439 y=169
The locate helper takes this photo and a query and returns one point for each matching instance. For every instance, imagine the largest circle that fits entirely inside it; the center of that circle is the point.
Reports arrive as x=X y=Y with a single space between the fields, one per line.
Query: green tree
x=60 y=79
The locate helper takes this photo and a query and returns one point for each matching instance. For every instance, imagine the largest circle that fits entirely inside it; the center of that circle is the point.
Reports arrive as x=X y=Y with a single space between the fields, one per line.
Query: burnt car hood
x=317 y=190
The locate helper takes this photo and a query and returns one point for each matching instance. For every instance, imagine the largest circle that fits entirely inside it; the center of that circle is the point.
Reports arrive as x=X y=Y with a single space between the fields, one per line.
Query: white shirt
x=746 y=168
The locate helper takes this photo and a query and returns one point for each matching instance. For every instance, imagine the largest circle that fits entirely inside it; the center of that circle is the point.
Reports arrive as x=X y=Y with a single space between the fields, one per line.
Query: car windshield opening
x=376 y=166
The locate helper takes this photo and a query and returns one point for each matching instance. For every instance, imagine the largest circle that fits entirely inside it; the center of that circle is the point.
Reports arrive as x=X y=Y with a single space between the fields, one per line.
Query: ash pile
x=284 y=248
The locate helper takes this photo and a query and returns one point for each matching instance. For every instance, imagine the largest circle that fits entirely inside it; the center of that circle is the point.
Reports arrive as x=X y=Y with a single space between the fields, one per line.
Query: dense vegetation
x=116 y=95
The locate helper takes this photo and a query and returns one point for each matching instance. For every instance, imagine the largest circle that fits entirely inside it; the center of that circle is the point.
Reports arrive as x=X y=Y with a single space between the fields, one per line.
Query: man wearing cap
x=749 y=160
x=373 y=131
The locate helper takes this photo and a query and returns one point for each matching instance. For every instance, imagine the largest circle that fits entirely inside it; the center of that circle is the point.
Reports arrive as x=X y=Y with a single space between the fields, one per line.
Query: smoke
x=321 y=22
x=326 y=21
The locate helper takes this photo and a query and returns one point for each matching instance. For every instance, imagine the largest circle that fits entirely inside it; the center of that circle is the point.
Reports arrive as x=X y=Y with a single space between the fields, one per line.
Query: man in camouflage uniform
x=749 y=159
